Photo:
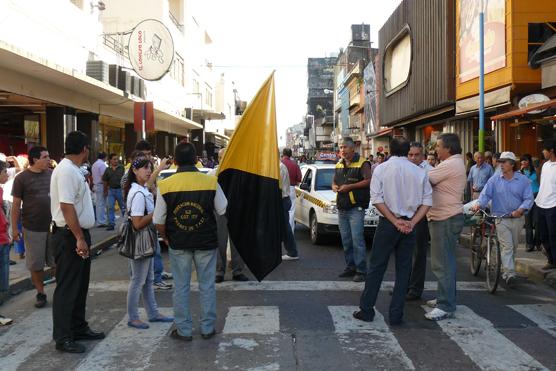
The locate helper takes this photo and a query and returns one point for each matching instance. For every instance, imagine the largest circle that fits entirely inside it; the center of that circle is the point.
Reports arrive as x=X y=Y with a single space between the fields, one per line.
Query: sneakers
x=348 y=272
x=240 y=277
x=167 y=276
x=438 y=314
x=49 y=281
x=510 y=281
x=162 y=286
x=359 y=277
x=431 y=303
x=219 y=279
x=287 y=257
x=4 y=321
x=111 y=227
x=41 y=300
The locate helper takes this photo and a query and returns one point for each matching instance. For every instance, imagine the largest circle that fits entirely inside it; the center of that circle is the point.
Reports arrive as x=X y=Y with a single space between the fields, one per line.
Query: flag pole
x=481 y=79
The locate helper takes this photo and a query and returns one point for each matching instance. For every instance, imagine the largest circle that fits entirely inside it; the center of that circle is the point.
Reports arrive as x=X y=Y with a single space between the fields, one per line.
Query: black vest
x=190 y=221
x=350 y=175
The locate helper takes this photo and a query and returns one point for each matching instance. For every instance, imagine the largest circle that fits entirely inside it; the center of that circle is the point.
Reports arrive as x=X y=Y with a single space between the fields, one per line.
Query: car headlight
x=330 y=209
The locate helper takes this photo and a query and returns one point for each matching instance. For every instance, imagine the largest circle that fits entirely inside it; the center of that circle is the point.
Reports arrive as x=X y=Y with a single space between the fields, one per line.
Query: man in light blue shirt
x=511 y=196
x=479 y=174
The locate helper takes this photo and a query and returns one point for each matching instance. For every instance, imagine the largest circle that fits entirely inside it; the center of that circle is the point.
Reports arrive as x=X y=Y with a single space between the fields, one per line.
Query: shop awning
x=524 y=111
x=382 y=133
x=26 y=74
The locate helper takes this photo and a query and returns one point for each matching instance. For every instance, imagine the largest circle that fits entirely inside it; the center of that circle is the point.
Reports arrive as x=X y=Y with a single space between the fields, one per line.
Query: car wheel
x=316 y=236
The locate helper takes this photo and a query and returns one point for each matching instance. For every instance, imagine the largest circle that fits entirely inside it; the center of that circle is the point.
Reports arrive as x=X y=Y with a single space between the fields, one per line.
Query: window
x=308 y=179
x=324 y=179
x=397 y=62
x=208 y=96
x=177 y=69
x=196 y=88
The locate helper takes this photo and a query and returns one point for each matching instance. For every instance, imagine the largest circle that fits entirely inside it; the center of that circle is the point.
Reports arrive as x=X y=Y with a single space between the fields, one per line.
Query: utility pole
x=482 y=78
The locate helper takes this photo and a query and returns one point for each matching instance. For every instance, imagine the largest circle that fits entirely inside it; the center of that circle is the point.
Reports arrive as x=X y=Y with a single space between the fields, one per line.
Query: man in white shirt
x=72 y=217
x=422 y=237
x=97 y=170
x=546 y=202
x=395 y=232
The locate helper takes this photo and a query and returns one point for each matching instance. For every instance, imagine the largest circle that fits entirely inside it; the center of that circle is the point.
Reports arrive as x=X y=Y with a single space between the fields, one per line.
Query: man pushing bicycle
x=511 y=196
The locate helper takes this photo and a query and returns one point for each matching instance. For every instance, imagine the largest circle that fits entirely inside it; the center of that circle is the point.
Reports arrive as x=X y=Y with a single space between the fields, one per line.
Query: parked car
x=315 y=205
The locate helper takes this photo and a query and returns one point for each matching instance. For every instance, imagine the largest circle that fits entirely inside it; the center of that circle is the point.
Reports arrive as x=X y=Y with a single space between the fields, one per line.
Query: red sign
x=380 y=149
x=143 y=110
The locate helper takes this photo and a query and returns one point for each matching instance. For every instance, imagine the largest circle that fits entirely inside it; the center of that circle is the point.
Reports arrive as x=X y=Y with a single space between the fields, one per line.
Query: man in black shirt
x=112 y=188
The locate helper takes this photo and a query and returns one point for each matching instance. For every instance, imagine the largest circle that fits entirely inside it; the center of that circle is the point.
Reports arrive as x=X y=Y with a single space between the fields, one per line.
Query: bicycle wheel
x=493 y=264
x=475 y=245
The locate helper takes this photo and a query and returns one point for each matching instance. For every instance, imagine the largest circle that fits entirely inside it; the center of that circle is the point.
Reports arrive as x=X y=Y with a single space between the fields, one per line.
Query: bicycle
x=484 y=228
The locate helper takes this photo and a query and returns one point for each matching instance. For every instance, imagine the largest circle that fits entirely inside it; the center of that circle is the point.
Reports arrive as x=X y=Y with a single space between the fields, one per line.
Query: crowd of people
x=418 y=195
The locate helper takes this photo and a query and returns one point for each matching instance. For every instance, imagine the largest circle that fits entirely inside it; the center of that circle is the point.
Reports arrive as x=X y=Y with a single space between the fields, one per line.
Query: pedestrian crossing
x=256 y=337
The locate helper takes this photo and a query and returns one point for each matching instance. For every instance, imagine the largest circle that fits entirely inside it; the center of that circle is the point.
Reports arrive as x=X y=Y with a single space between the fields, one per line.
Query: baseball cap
x=507 y=156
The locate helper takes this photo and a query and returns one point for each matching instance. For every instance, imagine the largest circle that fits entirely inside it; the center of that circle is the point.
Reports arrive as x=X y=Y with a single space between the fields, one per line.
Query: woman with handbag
x=140 y=205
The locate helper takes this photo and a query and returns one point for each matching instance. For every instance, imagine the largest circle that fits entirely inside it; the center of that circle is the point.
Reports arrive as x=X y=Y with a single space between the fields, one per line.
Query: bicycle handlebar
x=487 y=215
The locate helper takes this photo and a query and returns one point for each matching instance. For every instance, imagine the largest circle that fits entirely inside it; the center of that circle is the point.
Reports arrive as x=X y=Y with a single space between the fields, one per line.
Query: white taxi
x=315 y=203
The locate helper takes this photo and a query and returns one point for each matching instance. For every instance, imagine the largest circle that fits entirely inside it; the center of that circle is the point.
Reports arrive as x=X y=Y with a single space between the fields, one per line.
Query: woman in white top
x=140 y=203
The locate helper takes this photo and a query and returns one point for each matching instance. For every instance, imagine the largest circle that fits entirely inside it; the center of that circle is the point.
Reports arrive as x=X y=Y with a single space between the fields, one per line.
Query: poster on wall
x=468 y=37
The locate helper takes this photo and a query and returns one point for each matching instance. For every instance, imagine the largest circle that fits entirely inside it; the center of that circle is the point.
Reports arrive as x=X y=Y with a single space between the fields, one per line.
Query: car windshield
x=324 y=180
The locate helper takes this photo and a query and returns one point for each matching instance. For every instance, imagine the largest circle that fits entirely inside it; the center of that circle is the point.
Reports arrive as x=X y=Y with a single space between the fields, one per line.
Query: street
x=299 y=318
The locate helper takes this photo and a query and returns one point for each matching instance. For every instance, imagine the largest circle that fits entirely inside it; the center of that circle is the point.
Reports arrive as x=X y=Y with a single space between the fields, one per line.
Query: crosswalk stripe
x=378 y=339
x=252 y=320
x=544 y=315
x=250 y=339
x=127 y=348
x=486 y=346
x=122 y=286
x=24 y=338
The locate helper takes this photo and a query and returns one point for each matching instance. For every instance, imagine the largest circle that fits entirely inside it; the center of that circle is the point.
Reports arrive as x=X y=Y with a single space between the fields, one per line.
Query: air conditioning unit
x=124 y=80
x=135 y=89
x=98 y=70
x=113 y=75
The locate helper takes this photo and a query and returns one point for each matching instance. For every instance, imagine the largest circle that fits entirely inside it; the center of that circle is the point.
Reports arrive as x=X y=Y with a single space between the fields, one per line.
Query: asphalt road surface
x=299 y=318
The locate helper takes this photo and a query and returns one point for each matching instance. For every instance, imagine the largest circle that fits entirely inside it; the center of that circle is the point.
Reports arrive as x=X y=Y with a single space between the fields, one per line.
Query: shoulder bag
x=136 y=244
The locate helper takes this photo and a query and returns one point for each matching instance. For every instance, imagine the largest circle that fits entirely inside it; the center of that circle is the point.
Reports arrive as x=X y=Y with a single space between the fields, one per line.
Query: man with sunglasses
x=511 y=196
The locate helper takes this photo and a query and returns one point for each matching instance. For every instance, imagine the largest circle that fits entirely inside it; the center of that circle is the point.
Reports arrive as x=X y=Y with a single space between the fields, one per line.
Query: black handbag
x=136 y=244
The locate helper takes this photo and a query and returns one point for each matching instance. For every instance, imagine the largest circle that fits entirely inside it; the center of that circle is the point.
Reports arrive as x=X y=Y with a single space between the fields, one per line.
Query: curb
x=25 y=284
x=531 y=268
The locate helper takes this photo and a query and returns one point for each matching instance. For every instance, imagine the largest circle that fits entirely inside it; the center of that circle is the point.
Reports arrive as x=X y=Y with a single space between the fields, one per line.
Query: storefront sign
x=531 y=100
x=468 y=37
x=151 y=49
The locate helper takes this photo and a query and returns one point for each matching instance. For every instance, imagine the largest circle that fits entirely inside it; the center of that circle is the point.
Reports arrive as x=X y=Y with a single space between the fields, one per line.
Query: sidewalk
x=20 y=279
x=527 y=264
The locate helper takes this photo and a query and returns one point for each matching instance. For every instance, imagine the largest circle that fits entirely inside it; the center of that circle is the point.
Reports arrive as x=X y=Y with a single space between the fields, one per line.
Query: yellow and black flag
x=249 y=176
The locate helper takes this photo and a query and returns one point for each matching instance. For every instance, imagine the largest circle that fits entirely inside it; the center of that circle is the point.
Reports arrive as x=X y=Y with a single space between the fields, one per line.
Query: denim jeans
x=444 y=237
x=141 y=282
x=100 y=207
x=158 y=265
x=388 y=240
x=4 y=267
x=114 y=194
x=181 y=262
x=351 y=227
x=289 y=240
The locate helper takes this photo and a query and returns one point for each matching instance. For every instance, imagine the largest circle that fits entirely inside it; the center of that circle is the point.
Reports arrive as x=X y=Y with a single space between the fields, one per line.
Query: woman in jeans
x=140 y=203
x=527 y=168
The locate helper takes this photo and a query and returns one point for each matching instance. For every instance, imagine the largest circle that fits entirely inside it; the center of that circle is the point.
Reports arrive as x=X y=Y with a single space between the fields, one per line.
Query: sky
x=251 y=38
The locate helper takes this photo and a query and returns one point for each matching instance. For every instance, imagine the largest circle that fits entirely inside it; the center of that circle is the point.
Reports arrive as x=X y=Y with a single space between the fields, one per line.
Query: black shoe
x=89 y=335
x=101 y=226
x=359 y=277
x=412 y=297
x=219 y=279
x=13 y=262
x=70 y=347
x=174 y=335
x=240 y=277
x=209 y=335
x=348 y=272
x=41 y=300
x=530 y=248
x=510 y=281
x=110 y=228
x=362 y=316
x=395 y=322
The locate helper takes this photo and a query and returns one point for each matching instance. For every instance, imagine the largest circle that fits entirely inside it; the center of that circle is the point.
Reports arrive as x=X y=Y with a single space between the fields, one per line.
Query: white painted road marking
x=544 y=315
x=126 y=348
x=377 y=341
x=252 y=320
x=24 y=338
x=480 y=341
x=122 y=286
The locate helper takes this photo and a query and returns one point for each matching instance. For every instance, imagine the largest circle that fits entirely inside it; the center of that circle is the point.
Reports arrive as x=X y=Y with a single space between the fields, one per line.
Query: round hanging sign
x=151 y=49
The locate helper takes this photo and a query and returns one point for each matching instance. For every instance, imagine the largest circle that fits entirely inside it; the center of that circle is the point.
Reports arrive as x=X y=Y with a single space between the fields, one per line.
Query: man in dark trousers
x=395 y=231
x=72 y=216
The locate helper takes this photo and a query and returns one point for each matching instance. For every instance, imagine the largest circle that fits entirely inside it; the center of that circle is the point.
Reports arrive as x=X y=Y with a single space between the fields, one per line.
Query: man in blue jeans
x=112 y=188
x=395 y=232
x=351 y=183
x=184 y=215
